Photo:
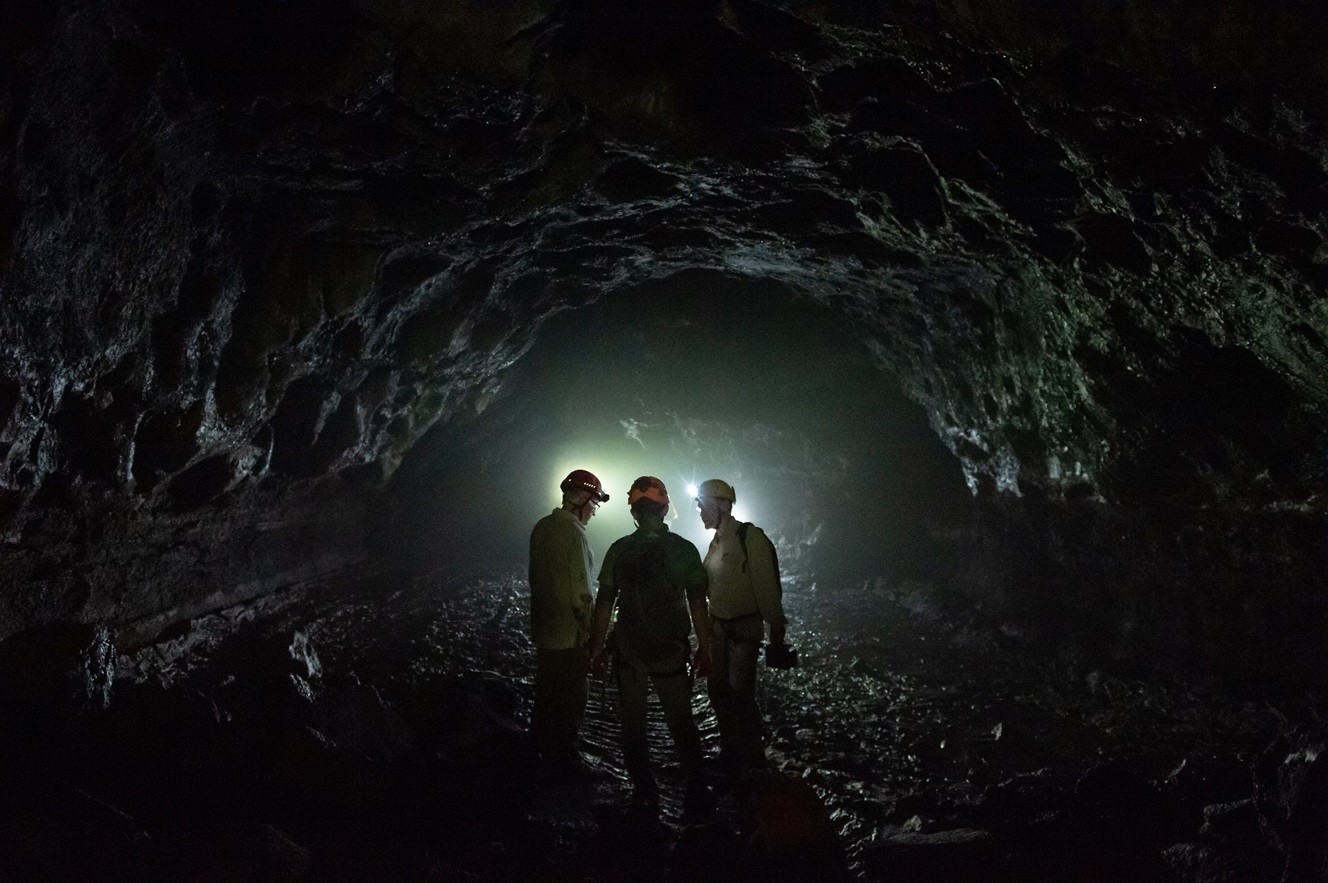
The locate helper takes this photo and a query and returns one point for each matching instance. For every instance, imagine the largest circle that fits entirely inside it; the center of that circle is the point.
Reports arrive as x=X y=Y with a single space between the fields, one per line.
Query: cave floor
x=904 y=724
x=905 y=746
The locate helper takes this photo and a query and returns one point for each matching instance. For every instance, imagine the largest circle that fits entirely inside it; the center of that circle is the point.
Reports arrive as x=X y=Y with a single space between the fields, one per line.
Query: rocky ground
x=375 y=729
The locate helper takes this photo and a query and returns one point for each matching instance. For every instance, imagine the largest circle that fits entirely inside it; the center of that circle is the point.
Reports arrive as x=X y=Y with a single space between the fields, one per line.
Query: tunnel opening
x=695 y=376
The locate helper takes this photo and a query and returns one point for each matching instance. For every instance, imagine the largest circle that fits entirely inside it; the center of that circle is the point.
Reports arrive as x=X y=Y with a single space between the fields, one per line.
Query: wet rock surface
x=377 y=728
x=242 y=284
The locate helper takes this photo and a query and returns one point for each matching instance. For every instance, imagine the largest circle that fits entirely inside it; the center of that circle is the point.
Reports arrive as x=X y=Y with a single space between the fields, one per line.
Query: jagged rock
x=903 y=172
x=1206 y=863
x=1025 y=796
x=1291 y=795
x=266 y=312
x=355 y=716
x=59 y=671
x=276 y=278
x=957 y=854
x=1207 y=779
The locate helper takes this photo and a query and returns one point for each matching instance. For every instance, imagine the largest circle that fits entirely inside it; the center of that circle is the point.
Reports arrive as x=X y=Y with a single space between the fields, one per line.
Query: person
x=561 y=565
x=656 y=583
x=744 y=596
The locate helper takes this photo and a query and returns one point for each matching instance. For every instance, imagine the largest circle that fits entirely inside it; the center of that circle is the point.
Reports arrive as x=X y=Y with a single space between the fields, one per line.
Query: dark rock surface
x=253 y=255
x=389 y=740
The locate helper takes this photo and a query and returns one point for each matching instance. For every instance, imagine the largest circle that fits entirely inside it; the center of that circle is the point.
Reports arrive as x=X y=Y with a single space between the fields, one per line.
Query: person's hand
x=599 y=663
x=778 y=635
x=701 y=663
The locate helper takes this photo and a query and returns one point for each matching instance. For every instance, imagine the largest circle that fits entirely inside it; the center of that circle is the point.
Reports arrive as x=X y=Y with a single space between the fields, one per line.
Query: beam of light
x=691 y=490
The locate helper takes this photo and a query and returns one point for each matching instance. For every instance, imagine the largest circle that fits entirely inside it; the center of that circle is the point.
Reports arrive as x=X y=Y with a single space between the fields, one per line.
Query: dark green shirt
x=652 y=575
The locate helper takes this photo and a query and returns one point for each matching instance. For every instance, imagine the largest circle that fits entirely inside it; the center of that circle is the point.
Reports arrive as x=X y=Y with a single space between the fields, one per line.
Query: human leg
x=542 y=726
x=745 y=716
x=560 y=698
x=633 y=684
x=675 y=698
x=732 y=686
x=717 y=686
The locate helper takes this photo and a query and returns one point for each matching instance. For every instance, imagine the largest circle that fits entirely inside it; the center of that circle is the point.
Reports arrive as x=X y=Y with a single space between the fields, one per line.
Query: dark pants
x=560 y=702
x=735 y=646
x=673 y=686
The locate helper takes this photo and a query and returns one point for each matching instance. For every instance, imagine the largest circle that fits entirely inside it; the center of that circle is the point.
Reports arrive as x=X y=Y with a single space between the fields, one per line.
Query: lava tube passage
x=700 y=377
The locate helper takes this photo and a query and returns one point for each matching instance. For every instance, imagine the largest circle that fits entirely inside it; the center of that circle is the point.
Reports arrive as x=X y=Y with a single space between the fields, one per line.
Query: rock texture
x=252 y=253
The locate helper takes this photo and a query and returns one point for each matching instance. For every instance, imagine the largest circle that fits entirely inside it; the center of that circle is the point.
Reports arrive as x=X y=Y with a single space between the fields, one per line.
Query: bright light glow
x=617 y=466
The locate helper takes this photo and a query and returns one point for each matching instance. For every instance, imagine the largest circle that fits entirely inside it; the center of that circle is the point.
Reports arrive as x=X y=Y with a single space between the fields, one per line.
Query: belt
x=732 y=619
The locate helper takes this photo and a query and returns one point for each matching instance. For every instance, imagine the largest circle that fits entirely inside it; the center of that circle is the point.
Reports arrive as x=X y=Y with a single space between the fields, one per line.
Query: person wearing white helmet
x=742 y=571
x=561 y=565
x=655 y=582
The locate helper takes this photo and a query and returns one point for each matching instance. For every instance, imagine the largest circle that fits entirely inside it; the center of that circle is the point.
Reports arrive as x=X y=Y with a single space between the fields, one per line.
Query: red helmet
x=650 y=488
x=581 y=480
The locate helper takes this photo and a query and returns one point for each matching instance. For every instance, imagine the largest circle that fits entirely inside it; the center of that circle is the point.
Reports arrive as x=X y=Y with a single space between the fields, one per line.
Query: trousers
x=735 y=645
x=561 y=691
x=673 y=685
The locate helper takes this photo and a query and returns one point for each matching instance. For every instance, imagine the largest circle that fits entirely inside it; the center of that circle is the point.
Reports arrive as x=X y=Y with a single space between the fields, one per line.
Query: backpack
x=774 y=555
x=652 y=611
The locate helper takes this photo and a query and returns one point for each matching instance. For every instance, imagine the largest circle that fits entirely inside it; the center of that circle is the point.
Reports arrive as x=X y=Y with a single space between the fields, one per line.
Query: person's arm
x=599 y=659
x=765 y=584
x=701 y=622
x=578 y=582
x=692 y=573
x=603 y=616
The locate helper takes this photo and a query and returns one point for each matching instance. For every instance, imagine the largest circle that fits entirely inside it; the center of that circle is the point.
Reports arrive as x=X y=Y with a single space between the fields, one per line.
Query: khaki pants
x=561 y=692
x=735 y=645
x=673 y=686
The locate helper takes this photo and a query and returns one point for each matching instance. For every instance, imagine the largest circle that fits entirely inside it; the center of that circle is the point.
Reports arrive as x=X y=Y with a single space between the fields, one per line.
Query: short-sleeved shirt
x=653 y=576
x=743 y=583
x=560 y=569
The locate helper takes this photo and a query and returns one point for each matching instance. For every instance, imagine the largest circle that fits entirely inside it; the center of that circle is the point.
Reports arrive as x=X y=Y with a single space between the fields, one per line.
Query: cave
x=1006 y=320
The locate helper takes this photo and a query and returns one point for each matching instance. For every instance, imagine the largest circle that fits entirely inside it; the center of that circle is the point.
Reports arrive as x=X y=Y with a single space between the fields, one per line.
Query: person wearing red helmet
x=561 y=565
x=656 y=583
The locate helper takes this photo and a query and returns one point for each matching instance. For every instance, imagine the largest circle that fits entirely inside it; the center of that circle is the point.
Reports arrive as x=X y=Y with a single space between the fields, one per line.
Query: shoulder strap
x=774 y=555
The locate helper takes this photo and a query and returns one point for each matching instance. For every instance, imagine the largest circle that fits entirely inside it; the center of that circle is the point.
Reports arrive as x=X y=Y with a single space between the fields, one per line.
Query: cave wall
x=252 y=254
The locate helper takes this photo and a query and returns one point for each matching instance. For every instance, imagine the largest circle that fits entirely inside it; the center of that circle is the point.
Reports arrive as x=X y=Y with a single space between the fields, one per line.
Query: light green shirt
x=737 y=591
x=560 y=572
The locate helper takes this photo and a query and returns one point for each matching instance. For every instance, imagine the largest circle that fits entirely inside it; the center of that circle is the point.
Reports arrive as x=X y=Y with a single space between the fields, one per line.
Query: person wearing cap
x=561 y=565
x=655 y=582
x=744 y=596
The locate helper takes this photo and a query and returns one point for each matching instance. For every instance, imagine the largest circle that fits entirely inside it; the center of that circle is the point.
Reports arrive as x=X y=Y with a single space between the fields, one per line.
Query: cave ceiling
x=257 y=245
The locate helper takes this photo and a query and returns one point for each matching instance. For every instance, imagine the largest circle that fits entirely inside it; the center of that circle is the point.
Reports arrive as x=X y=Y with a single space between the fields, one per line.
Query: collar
x=570 y=516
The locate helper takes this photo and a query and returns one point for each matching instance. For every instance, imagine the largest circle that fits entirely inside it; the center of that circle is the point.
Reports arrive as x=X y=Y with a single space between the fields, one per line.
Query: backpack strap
x=774 y=555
